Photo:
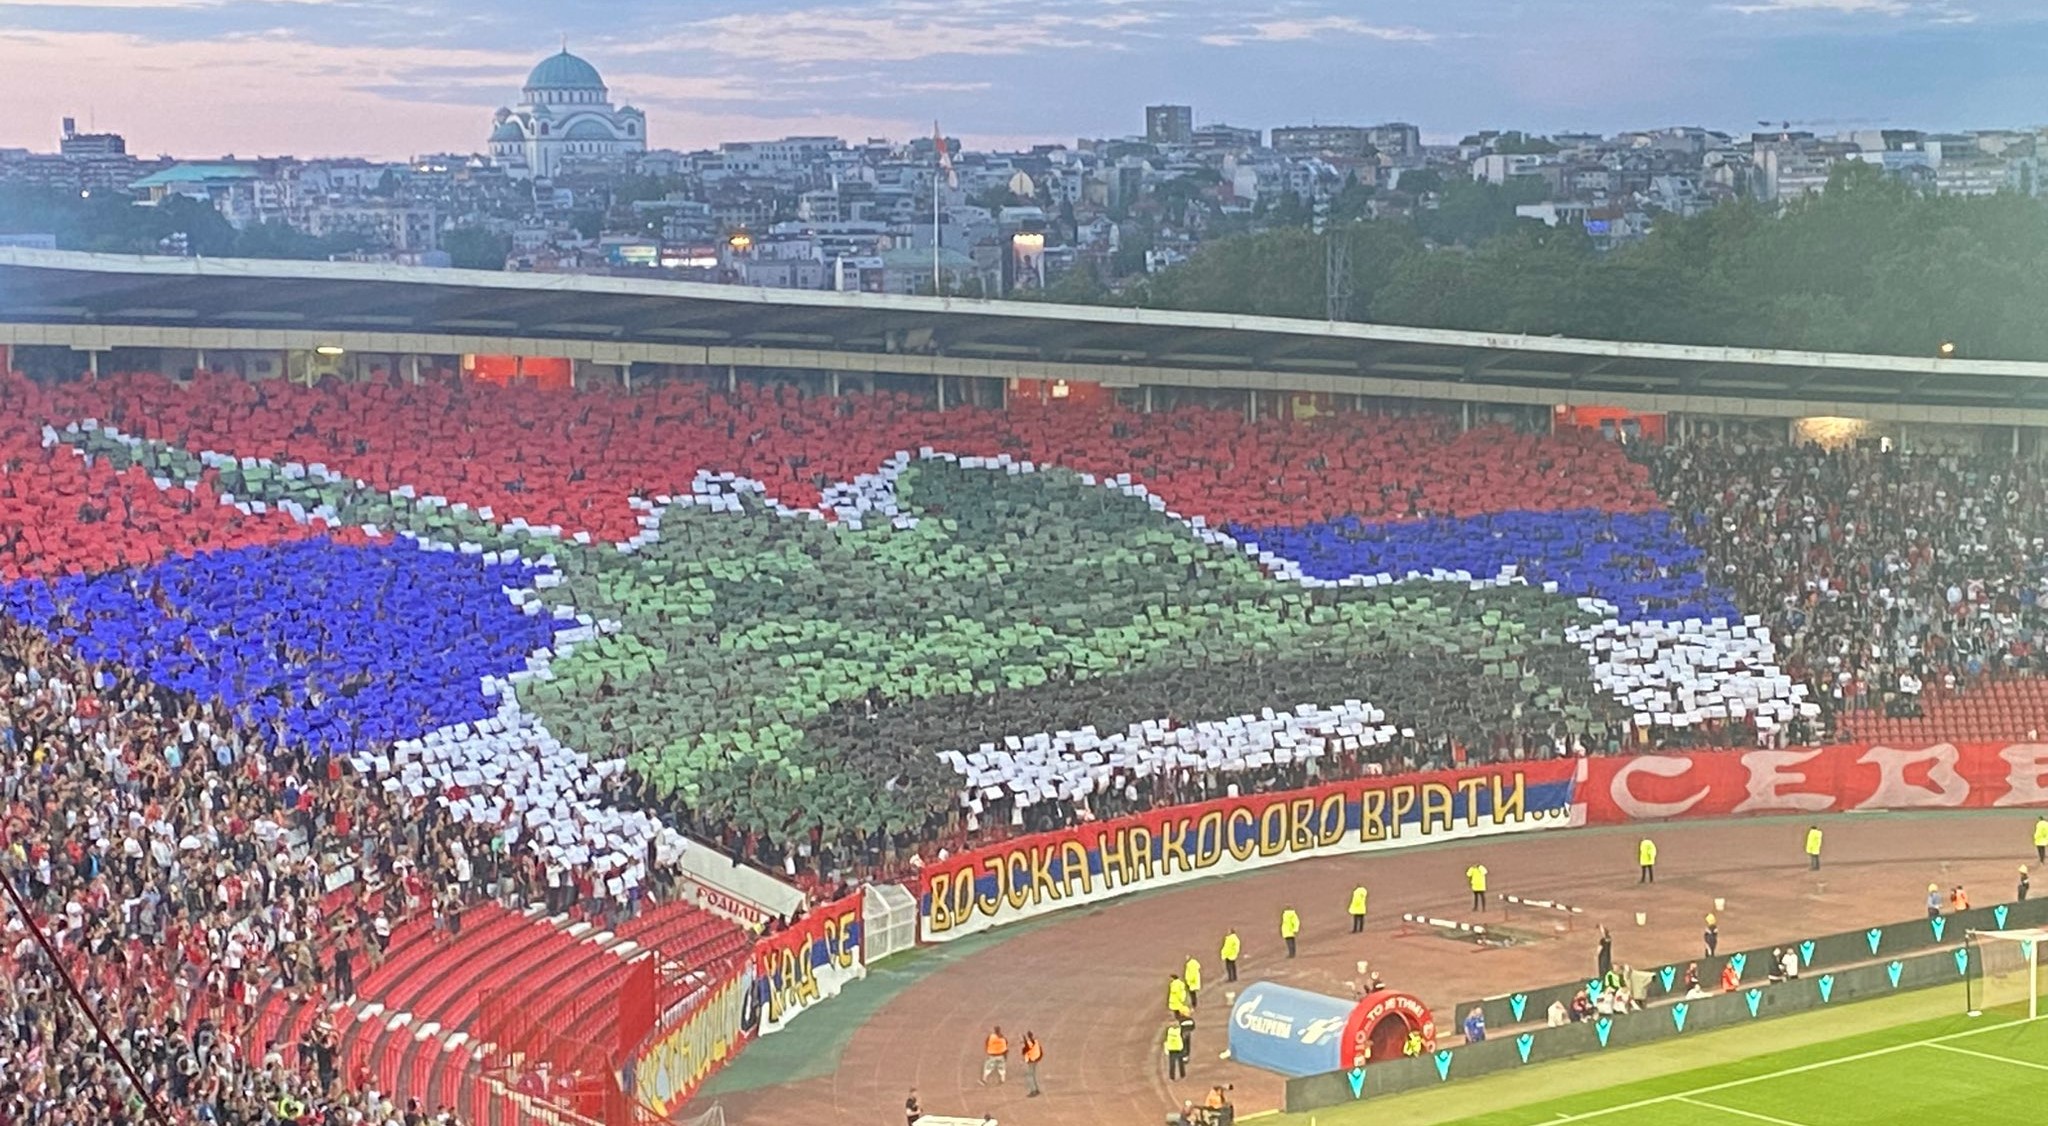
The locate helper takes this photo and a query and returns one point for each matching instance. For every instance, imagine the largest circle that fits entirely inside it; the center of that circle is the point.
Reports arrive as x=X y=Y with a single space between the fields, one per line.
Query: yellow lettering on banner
x=845 y=951
x=1242 y=850
x=1141 y=852
x=989 y=904
x=1074 y=867
x=1331 y=828
x=939 y=916
x=668 y=1074
x=1173 y=846
x=1509 y=805
x=1116 y=868
x=1436 y=807
x=1470 y=787
x=1301 y=829
x=795 y=984
x=1372 y=815
x=1016 y=891
x=1403 y=802
x=1043 y=886
x=1209 y=839
x=1273 y=829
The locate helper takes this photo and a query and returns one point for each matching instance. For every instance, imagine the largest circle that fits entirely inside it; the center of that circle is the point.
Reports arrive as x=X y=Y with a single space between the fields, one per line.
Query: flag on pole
x=945 y=157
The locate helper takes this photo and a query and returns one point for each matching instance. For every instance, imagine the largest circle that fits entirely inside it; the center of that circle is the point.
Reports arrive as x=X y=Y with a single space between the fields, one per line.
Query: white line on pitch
x=1741 y=1113
x=1989 y=1056
x=1589 y=1115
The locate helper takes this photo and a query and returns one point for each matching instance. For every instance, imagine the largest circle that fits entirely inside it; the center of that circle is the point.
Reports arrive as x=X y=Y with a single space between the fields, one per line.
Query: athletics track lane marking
x=1989 y=1056
x=1741 y=1113
x=1681 y=1096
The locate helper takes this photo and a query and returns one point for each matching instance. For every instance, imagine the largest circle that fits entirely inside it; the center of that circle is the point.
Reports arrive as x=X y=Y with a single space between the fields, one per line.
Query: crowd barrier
x=1826 y=952
x=989 y=887
x=1950 y=965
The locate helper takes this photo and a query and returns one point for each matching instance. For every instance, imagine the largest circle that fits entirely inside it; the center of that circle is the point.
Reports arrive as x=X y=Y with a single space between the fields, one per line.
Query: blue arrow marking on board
x=1523 y=1043
x=1357 y=1078
x=1755 y=997
x=1806 y=952
x=1669 y=974
x=1740 y=962
x=1962 y=959
x=1678 y=1014
x=1893 y=971
x=1998 y=913
x=1875 y=935
x=1443 y=1063
x=1518 y=1002
x=1593 y=990
x=1603 y=1026
x=1939 y=924
x=1827 y=988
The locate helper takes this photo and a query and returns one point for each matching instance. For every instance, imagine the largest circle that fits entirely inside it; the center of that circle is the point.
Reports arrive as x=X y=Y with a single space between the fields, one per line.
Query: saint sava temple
x=447 y=696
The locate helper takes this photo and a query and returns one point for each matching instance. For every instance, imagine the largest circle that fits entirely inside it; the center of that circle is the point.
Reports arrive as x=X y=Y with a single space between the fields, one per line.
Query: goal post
x=2005 y=970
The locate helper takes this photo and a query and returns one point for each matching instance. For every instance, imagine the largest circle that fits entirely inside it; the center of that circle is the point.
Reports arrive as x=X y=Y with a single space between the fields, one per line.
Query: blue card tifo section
x=1642 y=563
x=345 y=645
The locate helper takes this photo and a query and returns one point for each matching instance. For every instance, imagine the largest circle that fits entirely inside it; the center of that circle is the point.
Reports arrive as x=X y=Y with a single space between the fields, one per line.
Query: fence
x=889 y=922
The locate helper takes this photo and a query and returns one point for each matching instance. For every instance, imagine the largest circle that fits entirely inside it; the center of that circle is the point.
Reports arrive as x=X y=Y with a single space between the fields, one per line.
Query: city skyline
x=393 y=78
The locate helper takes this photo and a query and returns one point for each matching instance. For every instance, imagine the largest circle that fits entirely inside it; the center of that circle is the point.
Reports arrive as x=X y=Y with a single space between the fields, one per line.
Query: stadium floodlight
x=2003 y=968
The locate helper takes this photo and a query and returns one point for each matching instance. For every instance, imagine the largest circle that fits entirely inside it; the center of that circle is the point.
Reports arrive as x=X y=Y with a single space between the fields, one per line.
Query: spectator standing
x=912 y=1109
x=1475 y=1026
x=1606 y=954
x=1711 y=937
x=2026 y=885
x=1934 y=901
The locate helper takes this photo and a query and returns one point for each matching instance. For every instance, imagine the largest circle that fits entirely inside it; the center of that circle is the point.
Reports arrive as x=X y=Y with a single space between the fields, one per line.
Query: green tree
x=475 y=248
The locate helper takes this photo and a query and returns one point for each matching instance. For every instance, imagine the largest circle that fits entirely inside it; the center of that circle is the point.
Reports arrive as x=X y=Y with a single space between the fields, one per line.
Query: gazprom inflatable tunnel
x=1296 y=1033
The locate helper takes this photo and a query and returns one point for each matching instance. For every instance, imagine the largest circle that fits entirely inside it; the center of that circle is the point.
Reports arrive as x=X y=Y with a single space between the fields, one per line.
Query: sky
x=395 y=78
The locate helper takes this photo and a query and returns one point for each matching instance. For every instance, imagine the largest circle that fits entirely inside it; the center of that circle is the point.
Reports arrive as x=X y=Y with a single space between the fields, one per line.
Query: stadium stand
x=480 y=656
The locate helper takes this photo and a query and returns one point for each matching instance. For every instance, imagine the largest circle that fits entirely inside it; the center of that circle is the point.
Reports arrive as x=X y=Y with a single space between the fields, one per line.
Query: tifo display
x=1013 y=659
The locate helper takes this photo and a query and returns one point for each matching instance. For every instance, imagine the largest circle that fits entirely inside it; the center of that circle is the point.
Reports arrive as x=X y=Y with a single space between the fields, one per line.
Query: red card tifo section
x=573 y=462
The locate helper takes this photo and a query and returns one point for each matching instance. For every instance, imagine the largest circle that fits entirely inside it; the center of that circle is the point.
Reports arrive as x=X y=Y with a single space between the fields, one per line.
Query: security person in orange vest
x=1290 y=927
x=996 y=1060
x=1033 y=1052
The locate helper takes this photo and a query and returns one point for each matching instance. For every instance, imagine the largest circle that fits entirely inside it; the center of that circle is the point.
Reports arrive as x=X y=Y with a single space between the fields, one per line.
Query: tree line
x=1866 y=265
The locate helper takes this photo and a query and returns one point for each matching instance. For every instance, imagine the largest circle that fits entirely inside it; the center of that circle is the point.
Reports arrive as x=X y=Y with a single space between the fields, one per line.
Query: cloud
x=1843 y=7
x=1317 y=27
x=897 y=32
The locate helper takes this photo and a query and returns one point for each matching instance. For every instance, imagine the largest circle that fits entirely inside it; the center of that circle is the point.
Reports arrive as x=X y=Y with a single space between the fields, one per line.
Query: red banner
x=810 y=962
x=1815 y=780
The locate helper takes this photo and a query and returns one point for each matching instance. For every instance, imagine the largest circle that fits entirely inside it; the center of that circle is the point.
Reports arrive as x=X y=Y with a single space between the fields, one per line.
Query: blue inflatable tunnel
x=1294 y=1032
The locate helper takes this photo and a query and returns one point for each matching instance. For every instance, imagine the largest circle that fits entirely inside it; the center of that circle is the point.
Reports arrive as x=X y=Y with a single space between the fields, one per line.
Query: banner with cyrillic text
x=1816 y=780
x=988 y=887
x=810 y=962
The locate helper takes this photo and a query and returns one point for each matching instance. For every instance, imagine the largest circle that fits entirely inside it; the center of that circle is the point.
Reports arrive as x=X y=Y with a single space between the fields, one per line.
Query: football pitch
x=1987 y=1071
x=1871 y=1064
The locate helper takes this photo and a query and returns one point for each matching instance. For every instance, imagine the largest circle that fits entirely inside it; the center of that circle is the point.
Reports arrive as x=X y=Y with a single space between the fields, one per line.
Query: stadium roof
x=168 y=301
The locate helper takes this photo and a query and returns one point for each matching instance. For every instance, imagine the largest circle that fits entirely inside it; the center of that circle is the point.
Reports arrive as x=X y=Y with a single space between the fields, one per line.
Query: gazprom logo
x=1321 y=1031
x=1248 y=1017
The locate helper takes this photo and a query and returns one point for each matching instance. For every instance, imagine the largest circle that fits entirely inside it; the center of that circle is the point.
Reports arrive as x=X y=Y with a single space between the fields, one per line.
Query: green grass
x=1857 y=1066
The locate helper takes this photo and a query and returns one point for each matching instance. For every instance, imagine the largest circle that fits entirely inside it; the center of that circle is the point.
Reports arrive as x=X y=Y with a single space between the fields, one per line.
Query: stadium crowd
x=1885 y=577
x=178 y=865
